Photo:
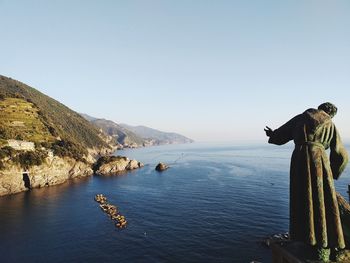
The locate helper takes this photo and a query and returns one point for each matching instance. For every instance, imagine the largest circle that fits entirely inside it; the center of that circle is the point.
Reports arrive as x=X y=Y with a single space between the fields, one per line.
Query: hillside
x=156 y=137
x=87 y=117
x=29 y=115
x=123 y=136
x=136 y=136
x=20 y=120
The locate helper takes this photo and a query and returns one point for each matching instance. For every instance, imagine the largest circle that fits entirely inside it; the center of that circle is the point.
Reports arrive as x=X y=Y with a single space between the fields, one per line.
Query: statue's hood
x=315 y=118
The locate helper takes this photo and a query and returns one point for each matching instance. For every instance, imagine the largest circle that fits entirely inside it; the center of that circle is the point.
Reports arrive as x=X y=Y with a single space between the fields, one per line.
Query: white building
x=21 y=145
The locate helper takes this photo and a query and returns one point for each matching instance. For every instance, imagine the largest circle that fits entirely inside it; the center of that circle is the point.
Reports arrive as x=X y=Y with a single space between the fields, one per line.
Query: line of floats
x=112 y=211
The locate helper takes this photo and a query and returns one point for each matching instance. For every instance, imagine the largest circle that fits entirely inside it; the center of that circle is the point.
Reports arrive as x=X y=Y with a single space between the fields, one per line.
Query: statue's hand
x=268 y=131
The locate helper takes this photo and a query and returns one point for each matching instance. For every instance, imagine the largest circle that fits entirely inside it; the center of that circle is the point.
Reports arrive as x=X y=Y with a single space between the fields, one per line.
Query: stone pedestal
x=287 y=252
x=296 y=252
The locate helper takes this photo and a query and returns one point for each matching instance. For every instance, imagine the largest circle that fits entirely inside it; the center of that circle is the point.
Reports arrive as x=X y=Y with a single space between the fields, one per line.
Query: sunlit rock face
x=55 y=170
x=113 y=165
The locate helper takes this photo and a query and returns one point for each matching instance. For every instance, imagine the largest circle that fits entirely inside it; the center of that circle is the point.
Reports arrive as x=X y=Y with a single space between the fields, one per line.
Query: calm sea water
x=214 y=204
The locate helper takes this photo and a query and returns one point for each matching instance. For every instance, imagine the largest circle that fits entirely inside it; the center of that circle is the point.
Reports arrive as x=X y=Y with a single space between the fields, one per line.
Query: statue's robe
x=314 y=212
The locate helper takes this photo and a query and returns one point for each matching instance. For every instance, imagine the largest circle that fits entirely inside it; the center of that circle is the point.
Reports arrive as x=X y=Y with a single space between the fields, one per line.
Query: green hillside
x=27 y=114
x=20 y=120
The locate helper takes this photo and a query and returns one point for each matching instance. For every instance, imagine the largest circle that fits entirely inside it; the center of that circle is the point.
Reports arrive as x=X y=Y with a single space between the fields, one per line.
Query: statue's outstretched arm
x=338 y=155
x=284 y=133
x=268 y=131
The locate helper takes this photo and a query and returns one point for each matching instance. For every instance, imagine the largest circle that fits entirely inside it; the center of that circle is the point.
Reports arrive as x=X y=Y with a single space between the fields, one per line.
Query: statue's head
x=329 y=108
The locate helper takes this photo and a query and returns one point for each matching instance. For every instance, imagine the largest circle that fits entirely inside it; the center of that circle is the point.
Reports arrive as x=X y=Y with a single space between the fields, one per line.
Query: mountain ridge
x=159 y=137
x=136 y=136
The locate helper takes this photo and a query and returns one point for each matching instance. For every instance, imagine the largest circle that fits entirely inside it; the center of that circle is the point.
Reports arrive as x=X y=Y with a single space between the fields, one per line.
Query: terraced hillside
x=20 y=120
x=27 y=114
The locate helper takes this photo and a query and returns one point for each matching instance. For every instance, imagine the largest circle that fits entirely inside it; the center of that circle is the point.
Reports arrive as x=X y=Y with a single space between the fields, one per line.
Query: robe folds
x=314 y=212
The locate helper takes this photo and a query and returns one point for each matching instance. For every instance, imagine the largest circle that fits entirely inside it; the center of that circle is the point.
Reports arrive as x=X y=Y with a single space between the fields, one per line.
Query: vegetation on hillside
x=5 y=152
x=20 y=120
x=57 y=117
x=68 y=148
x=28 y=159
x=25 y=159
x=27 y=114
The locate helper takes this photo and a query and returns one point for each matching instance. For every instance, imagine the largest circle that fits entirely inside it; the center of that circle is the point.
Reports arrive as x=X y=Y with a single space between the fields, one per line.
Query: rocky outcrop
x=161 y=167
x=55 y=170
x=113 y=165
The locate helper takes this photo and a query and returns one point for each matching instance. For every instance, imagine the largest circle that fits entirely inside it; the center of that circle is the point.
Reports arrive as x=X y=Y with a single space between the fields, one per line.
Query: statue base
x=297 y=252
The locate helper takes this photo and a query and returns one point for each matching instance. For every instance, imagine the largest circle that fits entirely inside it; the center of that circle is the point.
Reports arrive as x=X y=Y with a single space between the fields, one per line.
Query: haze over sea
x=215 y=203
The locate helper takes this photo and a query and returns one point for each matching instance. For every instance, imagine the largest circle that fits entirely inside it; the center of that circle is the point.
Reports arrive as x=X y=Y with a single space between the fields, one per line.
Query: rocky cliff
x=54 y=170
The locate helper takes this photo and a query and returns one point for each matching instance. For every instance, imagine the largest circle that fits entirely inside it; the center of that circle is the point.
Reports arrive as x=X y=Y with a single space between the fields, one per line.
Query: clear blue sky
x=211 y=70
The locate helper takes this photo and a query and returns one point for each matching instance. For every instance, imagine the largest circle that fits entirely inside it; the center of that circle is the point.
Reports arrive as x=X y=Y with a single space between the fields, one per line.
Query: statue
x=314 y=212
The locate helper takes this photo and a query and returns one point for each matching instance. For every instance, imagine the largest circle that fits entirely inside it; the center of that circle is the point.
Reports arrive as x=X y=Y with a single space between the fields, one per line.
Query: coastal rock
x=161 y=167
x=133 y=164
x=11 y=181
x=55 y=170
x=113 y=165
x=276 y=238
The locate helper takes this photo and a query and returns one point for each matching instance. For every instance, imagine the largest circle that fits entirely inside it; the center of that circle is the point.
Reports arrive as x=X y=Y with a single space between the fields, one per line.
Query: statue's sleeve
x=338 y=155
x=284 y=133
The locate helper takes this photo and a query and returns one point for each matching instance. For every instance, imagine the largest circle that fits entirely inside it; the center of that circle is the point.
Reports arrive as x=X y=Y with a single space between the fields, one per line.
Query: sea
x=215 y=203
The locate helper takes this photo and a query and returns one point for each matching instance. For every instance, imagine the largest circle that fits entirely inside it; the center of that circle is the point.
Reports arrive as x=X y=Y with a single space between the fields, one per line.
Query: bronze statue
x=314 y=212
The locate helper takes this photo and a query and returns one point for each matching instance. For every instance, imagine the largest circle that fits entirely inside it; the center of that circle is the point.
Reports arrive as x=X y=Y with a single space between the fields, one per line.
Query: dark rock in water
x=161 y=167
x=275 y=238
